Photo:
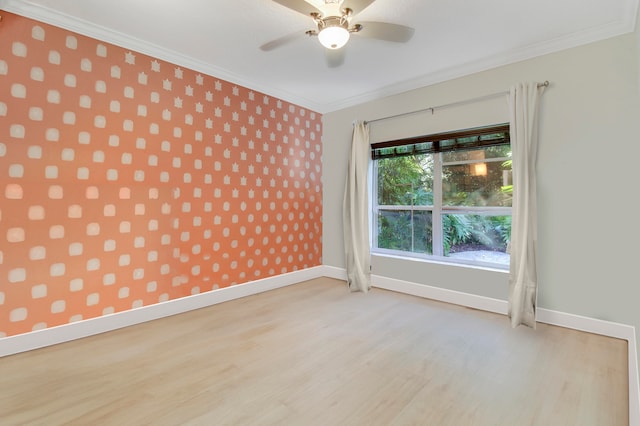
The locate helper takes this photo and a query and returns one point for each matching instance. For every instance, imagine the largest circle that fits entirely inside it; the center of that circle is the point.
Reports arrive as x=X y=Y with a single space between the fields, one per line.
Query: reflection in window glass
x=478 y=237
x=478 y=183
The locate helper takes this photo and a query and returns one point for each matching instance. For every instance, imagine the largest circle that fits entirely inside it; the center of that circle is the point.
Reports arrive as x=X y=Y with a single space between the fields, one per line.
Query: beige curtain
x=356 y=212
x=523 y=279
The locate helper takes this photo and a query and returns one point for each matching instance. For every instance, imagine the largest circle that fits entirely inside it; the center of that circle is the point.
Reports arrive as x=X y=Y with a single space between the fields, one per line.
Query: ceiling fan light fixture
x=333 y=37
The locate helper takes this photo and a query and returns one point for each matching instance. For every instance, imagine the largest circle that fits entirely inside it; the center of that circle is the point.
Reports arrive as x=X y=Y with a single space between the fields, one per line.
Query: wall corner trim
x=51 y=336
x=336 y=273
x=634 y=382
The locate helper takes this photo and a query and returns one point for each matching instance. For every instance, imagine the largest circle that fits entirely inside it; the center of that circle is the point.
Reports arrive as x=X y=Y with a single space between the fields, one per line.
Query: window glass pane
x=477 y=184
x=406 y=181
x=405 y=230
x=473 y=172
x=477 y=237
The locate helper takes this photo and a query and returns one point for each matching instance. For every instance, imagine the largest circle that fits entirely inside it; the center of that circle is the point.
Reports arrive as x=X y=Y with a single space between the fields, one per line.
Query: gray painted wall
x=587 y=176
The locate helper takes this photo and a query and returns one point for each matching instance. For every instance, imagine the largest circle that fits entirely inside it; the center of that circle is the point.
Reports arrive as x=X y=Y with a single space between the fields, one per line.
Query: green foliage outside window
x=405 y=180
x=408 y=181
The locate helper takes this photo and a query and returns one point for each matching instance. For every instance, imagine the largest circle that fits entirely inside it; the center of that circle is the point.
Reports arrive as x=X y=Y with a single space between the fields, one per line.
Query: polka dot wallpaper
x=126 y=181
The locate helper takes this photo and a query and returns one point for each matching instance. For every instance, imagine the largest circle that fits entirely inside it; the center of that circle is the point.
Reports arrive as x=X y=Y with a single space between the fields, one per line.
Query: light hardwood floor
x=315 y=354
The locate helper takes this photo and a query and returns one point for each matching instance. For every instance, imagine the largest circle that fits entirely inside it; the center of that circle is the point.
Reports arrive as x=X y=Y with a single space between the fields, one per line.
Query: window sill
x=441 y=260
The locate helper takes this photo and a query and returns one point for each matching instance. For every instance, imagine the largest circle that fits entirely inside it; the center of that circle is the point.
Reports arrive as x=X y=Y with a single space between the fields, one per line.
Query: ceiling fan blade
x=281 y=41
x=386 y=31
x=298 y=6
x=357 y=5
x=334 y=57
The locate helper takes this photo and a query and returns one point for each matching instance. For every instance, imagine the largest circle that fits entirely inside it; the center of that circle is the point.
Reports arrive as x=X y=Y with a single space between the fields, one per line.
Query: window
x=445 y=196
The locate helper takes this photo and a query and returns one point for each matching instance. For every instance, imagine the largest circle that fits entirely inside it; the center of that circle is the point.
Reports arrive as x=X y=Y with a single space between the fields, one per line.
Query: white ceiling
x=452 y=38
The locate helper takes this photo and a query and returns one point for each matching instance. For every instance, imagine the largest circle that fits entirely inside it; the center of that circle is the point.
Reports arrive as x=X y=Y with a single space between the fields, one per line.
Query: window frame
x=438 y=210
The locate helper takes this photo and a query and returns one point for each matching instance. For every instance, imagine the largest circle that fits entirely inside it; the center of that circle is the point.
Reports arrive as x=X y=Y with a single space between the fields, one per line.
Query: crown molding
x=85 y=28
x=577 y=39
x=594 y=34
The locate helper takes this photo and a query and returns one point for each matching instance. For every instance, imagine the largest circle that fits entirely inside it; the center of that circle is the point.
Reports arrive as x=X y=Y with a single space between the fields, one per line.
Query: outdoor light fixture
x=480 y=169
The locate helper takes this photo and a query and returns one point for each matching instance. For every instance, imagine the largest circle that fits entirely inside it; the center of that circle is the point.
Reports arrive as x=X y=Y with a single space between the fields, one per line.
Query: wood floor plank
x=313 y=353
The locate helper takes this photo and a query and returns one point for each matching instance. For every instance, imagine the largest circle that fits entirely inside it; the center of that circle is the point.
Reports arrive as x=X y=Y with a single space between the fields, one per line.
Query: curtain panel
x=356 y=212
x=523 y=278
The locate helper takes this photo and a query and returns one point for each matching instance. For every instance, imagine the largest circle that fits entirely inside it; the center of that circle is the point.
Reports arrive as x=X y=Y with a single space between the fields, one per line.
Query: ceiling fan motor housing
x=333 y=24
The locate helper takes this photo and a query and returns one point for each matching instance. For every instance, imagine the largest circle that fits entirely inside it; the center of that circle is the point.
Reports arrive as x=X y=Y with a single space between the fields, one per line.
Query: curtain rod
x=434 y=108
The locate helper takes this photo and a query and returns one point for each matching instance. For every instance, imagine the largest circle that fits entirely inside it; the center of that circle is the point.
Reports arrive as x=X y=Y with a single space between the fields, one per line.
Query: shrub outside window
x=445 y=196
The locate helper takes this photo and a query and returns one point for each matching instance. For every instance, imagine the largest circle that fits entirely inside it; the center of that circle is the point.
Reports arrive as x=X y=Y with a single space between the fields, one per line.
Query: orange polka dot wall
x=127 y=181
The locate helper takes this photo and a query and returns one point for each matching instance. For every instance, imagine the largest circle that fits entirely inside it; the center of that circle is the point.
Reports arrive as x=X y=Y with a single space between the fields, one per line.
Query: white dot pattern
x=128 y=181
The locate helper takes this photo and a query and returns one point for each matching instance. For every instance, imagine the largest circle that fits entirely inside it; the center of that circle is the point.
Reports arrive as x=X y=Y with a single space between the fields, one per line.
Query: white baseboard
x=440 y=294
x=561 y=319
x=333 y=272
x=64 y=333
x=634 y=383
x=610 y=329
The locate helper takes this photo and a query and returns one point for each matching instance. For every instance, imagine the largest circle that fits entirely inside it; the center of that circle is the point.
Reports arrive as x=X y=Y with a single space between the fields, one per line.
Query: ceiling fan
x=332 y=19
